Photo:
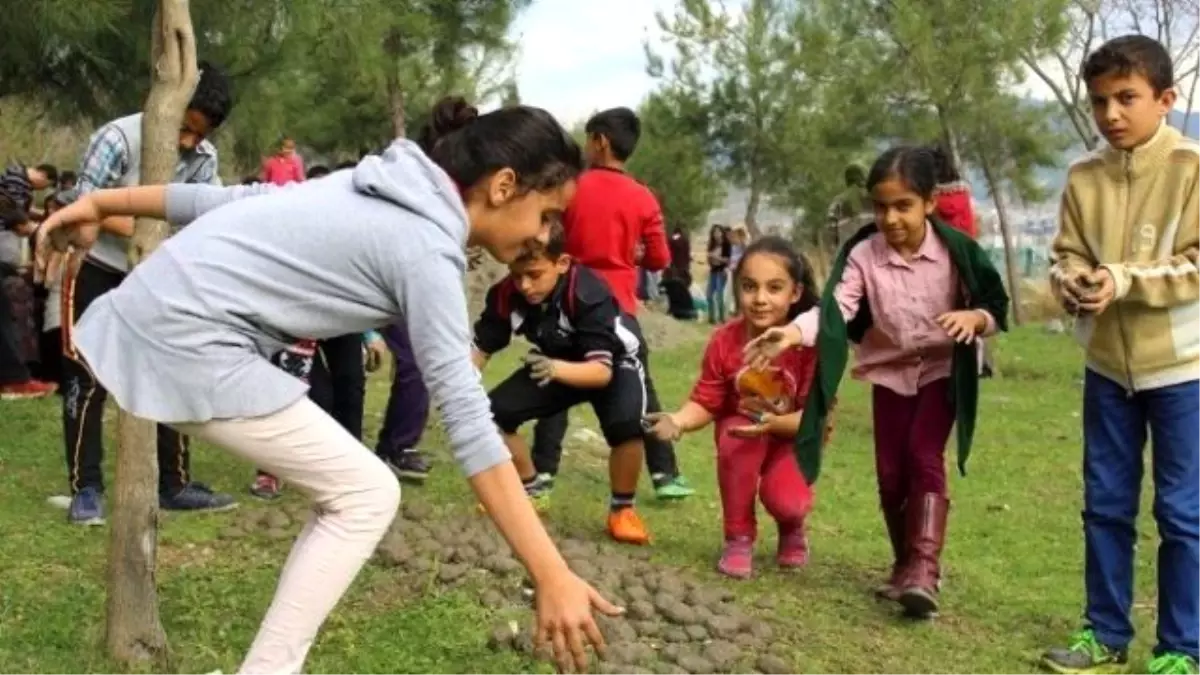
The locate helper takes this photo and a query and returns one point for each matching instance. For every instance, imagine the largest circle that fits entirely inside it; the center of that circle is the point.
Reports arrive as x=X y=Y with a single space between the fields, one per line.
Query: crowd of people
x=252 y=328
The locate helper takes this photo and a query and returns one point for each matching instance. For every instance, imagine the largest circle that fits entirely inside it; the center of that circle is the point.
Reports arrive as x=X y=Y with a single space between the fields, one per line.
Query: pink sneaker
x=737 y=560
x=793 y=548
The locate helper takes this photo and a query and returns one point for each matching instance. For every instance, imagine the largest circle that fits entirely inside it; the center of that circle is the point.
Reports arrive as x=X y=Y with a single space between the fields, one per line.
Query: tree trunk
x=135 y=633
x=949 y=139
x=751 y=219
x=1010 y=259
x=395 y=94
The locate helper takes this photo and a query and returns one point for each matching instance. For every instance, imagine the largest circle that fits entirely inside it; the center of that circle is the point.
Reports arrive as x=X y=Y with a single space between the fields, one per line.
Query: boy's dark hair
x=469 y=146
x=212 y=97
x=67 y=177
x=1128 y=55
x=316 y=171
x=251 y=180
x=50 y=171
x=944 y=165
x=913 y=165
x=348 y=164
x=12 y=215
x=620 y=126
x=555 y=246
x=797 y=266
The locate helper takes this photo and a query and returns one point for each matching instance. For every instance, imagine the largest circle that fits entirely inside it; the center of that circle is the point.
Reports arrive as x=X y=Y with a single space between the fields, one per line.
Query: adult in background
x=113 y=159
x=285 y=166
x=16 y=197
x=719 y=253
x=611 y=214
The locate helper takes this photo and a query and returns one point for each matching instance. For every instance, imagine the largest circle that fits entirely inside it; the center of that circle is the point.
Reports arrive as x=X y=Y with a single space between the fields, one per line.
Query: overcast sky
x=578 y=56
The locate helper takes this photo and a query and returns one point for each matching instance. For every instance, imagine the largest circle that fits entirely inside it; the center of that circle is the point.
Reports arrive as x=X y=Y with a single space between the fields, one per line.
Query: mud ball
x=427 y=546
x=675 y=634
x=668 y=668
x=671 y=652
x=703 y=614
x=640 y=553
x=608 y=668
x=761 y=630
x=748 y=642
x=416 y=510
x=502 y=636
x=278 y=533
x=648 y=629
x=453 y=572
x=501 y=564
x=621 y=652
x=233 y=532
x=492 y=599
x=638 y=592
x=722 y=654
x=696 y=632
x=673 y=586
x=724 y=627
x=641 y=610
x=583 y=569
x=695 y=664
x=419 y=564
x=766 y=602
x=773 y=665
x=393 y=552
x=278 y=519
x=703 y=597
x=679 y=613
x=616 y=630
x=253 y=519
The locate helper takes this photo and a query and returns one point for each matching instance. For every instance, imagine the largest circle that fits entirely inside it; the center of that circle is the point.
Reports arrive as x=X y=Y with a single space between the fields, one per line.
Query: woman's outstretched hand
x=759 y=352
x=564 y=620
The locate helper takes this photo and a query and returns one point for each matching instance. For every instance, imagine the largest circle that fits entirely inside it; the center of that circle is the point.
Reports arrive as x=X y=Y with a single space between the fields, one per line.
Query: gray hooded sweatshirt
x=186 y=337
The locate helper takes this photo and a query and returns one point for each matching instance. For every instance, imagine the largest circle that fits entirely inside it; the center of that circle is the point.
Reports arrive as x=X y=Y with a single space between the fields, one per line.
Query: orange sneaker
x=627 y=527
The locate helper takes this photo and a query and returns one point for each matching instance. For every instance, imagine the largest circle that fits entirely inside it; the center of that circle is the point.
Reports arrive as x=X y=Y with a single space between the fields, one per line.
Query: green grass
x=1014 y=556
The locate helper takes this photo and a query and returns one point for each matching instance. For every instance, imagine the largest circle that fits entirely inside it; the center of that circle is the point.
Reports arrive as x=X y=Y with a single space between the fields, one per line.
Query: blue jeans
x=716 y=296
x=1114 y=435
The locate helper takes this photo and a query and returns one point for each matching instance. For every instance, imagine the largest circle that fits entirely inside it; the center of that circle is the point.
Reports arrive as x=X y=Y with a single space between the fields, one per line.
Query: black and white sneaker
x=409 y=466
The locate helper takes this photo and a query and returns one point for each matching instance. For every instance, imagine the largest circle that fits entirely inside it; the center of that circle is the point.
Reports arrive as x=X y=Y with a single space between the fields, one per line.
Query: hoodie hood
x=406 y=177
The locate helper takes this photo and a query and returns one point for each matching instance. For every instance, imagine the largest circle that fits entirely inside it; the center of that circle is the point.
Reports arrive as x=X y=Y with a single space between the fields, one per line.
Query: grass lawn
x=1014 y=557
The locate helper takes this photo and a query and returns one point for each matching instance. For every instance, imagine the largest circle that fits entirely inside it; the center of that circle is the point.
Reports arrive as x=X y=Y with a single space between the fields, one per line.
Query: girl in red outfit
x=952 y=196
x=756 y=413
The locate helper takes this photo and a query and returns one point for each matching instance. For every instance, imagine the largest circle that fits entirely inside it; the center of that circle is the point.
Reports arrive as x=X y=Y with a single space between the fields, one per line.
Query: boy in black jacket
x=581 y=352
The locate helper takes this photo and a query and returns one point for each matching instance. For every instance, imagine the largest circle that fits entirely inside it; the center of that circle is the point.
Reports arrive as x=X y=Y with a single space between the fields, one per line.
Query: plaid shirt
x=107 y=159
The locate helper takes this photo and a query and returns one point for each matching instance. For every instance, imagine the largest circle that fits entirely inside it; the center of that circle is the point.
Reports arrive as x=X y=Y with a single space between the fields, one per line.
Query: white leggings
x=356 y=499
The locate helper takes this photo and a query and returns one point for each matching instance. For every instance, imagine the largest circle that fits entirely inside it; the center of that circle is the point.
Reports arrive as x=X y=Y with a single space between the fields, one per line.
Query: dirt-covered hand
x=564 y=620
x=541 y=367
x=662 y=426
x=759 y=352
x=375 y=352
x=1100 y=289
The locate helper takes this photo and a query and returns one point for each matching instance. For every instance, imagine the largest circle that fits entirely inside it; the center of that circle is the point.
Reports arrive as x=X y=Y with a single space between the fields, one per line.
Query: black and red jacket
x=579 y=321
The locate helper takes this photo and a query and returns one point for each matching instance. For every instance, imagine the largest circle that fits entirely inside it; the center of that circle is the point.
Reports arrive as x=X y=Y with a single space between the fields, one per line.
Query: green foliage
x=671 y=159
x=736 y=67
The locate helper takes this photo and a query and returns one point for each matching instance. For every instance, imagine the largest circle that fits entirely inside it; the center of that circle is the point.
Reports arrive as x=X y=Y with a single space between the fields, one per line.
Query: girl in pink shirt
x=755 y=412
x=912 y=293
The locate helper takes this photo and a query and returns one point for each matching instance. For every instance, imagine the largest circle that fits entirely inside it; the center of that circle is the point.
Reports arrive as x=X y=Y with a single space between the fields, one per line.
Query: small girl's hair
x=944 y=163
x=797 y=266
x=915 y=166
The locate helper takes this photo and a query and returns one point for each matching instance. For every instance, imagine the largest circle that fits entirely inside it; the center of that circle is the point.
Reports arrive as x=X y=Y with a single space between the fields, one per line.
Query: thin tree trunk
x=135 y=633
x=751 y=219
x=949 y=139
x=1010 y=258
x=395 y=94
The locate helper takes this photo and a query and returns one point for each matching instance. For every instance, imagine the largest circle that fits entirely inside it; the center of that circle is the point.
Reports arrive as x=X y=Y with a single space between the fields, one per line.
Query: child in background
x=756 y=413
x=581 y=352
x=50 y=348
x=719 y=252
x=952 y=196
x=1125 y=264
x=913 y=294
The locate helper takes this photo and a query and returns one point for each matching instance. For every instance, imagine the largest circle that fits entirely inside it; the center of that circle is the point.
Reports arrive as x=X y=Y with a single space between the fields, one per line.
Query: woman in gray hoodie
x=185 y=339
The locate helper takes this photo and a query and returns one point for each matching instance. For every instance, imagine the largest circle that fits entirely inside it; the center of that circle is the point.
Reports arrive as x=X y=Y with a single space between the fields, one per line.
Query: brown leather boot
x=894 y=519
x=926 y=536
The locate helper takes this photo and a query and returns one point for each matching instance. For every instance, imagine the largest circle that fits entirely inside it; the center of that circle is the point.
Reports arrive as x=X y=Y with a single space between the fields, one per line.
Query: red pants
x=764 y=467
x=910 y=442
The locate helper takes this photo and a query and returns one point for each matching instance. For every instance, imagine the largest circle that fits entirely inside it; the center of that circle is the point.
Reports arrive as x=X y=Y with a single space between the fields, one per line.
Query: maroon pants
x=765 y=468
x=910 y=442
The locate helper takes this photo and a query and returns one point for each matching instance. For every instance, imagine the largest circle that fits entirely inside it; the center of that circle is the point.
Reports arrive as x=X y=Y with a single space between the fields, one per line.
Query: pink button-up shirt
x=905 y=348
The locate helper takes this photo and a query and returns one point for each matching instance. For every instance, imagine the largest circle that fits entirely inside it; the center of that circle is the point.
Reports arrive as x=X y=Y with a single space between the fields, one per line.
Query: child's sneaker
x=1083 y=654
x=625 y=526
x=793 y=548
x=1172 y=663
x=87 y=508
x=671 y=487
x=265 y=486
x=737 y=560
x=546 y=480
x=409 y=466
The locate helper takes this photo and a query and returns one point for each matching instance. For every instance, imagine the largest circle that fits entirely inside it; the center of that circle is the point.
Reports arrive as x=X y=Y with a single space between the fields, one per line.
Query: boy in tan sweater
x=1125 y=264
